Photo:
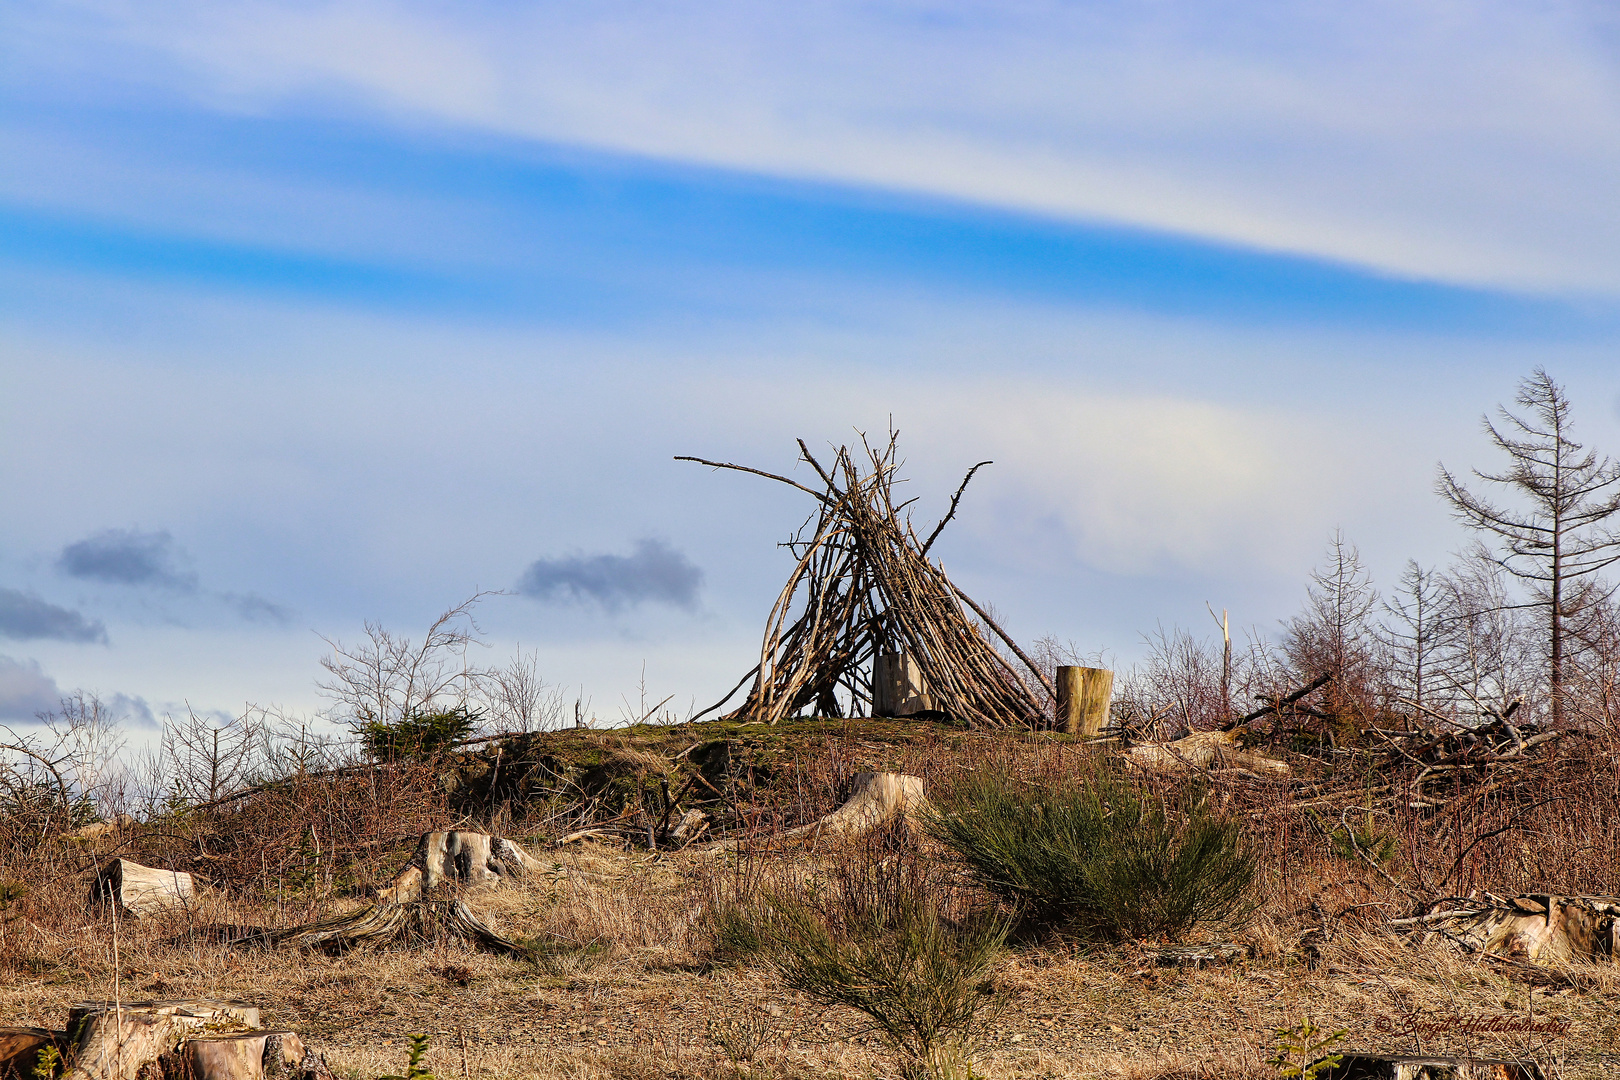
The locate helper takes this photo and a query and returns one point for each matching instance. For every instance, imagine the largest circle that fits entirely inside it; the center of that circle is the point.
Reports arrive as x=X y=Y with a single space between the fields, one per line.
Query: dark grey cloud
x=25 y=691
x=128 y=557
x=25 y=617
x=653 y=572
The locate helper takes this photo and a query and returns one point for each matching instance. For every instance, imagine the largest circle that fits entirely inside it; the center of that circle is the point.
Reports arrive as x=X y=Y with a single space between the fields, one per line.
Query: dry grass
x=627 y=980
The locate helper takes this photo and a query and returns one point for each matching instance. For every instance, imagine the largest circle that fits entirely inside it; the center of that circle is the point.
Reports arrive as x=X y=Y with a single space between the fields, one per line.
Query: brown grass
x=628 y=981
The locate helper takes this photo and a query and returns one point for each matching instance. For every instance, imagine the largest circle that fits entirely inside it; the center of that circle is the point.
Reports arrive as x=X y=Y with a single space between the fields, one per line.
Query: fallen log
x=1540 y=929
x=1204 y=751
x=141 y=891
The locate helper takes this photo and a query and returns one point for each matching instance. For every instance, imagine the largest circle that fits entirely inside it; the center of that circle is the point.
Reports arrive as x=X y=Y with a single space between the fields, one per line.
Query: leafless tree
x=1333 y=636
x=203 y=760
x=517 y=699
x=386 y=679
x=1563 y=537
x=1411 y=636
x=1486 y=658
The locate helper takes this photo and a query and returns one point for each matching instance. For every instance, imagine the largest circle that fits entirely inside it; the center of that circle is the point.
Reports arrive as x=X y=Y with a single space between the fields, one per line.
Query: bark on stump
x=142 y=891
x=1083 y=697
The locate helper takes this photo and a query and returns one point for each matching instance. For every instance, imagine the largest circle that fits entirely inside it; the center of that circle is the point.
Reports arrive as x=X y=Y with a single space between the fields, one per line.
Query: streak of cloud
x=26 y=617
x=653 y=573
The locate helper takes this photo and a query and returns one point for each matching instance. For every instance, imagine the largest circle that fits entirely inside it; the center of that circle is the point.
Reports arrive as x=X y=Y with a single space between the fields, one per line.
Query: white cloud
x=1473 y=143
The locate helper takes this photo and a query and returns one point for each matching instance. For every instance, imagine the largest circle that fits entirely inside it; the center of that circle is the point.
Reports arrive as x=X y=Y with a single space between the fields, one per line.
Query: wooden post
x=1083 y=696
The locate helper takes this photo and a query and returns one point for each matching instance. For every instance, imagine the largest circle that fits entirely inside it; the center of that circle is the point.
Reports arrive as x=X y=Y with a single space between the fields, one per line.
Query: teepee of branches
x=861 y=587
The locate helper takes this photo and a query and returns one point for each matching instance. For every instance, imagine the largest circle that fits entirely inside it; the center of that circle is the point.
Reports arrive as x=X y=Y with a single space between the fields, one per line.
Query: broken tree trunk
x=141 y=891
x=113 y=1042
x=1083 y=697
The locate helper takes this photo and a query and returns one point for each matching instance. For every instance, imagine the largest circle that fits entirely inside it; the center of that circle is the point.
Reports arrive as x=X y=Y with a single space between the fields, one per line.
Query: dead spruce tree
x=1561 y=538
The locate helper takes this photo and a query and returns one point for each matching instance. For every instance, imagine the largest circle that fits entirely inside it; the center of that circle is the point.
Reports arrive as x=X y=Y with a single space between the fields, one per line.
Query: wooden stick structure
x=862 y=587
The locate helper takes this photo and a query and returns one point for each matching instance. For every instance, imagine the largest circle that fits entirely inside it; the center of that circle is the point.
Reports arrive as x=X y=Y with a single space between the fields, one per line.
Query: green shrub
x=1100 y=858
x=417 y=736
x=888 y=952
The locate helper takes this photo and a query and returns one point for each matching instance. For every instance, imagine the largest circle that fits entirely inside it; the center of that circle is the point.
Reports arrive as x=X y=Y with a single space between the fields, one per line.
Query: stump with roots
x=405 y=912
x=163 y=1040
x=876 y=799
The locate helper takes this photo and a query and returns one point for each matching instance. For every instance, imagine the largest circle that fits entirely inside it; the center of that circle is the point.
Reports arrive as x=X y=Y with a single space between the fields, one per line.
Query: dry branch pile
x=862 y=587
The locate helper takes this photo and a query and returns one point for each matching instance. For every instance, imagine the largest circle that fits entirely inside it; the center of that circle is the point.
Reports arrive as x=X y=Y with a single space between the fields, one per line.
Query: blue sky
x=319 y=312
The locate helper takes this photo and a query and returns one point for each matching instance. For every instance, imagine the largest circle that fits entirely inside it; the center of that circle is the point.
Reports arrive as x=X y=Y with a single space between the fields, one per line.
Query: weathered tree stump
x=898 y=688
x=141 y=891
x=114 y=1042
x=404 y=910
x=259 y=1055
x=1083 y=697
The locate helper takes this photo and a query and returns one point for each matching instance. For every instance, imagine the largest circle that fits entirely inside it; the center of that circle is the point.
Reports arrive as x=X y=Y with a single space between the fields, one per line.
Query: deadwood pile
x=863 y=588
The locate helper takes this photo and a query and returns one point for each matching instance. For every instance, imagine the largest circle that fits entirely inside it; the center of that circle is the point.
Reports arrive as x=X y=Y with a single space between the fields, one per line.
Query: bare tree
x=1333 y=636
x=1562 y=539
x=517 y=699
x=386 y=679
x=203 y=760
x=1411 y=637
x=1484 y=661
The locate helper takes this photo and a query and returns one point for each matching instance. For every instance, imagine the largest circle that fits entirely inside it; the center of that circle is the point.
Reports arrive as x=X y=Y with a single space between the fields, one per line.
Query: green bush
x=418 y=736
x=889 y=953
x=1098 y=857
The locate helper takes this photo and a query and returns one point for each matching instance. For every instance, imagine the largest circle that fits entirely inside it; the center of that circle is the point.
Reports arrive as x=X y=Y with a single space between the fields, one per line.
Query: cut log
x=464 y=858
x=1206 y=751
x=113 y=1042
x=1541 y=929
x=20 y=1048
x=1383 y=1067
x=1083 y=697
x=141 y=891
x=101 y=829
x=898 y=688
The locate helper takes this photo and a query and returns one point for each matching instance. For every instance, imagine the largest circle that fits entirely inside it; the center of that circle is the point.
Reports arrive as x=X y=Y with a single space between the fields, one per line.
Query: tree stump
x=141 y=891
x=1083 y=697
x=260 y=1055
x=898 y=688
x=114 y=1042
